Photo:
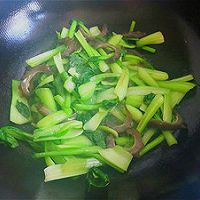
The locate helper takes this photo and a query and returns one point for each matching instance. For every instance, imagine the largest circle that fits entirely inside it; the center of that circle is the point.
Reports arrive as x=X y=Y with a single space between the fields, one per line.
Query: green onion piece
x=150 y=111
x=58 y=62
x=45 y=81
x=95 y=121
x=148 y=134
x=84 y=43
x=154 y=38
x=115 y=39
x=149 y=49
x=144 y=90
x=106 y=95
x=43 y=57
x=108 y=130
x=135 y=100
x=72 y=29
x=46 y=97
x=132 y=26
x=136 y=114
x=179 y=86
x=188 y=77
x=15 y=116
x=144 y=75
x=52 y=119
x=117 y=158
x=69 y=85
x=152 y=145
x=86 y=90
x=64 y=33
x=122 y=85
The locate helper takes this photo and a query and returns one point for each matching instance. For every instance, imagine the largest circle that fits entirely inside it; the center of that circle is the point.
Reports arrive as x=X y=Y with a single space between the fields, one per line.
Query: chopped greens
x=96 y=103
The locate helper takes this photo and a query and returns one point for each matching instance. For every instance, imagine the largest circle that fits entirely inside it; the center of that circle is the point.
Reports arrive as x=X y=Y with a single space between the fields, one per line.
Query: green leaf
x=107 y=104
x=23 y=109
x=8 y=139
x=97 y=138
x=96 y=177
x=148 y=98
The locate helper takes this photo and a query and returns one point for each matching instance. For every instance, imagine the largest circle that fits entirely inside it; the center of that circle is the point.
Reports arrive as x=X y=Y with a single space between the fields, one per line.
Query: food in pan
x=93 y=101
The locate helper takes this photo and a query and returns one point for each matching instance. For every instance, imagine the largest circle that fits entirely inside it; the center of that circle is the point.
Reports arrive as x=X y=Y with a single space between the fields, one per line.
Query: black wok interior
x=28 y=28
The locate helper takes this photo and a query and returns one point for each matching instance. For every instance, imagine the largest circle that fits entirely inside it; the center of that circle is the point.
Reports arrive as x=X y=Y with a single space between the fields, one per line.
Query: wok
x=28 y=28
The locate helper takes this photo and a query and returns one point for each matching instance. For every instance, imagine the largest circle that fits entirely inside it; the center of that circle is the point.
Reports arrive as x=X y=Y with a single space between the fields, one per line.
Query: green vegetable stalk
x=150 y=111
x=144 y=75
x=43 y=57
x=95 y=121
x=144 y=90
x=134 y=100
x=106 y=95
x=167 y=116
x=86 y=90
x=122 y=85
x=58 y=62
x=72 y=29
x=154 y=38
x=115 y=39
x=52 y=119
x=136 y=114
x=117 y=158
x=148 y=134
x=72 y=167
x=46 y=97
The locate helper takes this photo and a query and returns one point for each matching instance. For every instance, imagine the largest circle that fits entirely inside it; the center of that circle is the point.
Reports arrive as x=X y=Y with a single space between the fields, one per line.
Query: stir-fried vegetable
x=92 y=102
